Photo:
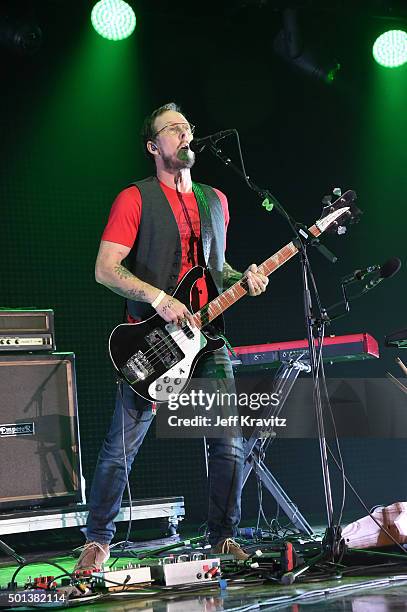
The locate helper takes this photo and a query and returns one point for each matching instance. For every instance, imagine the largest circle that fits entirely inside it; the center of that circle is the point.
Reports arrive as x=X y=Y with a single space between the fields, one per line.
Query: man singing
x=158 y=229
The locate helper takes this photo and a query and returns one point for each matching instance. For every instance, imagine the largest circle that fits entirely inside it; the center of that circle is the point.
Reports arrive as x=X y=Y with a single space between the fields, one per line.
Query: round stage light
x=113 y=19
x=390 y=49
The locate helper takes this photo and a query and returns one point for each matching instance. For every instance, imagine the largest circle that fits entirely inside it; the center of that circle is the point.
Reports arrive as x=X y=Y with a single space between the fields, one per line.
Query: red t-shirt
x=124 y=221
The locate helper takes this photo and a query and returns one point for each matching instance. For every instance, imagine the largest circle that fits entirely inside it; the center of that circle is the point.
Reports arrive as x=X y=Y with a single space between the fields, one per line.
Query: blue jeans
x=226 y=458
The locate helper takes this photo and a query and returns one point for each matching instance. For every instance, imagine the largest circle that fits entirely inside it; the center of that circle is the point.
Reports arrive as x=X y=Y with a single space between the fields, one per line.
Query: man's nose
x=183 y=137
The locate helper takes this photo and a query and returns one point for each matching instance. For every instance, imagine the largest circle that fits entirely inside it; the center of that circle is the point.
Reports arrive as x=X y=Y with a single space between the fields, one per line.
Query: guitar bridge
x=137 y=368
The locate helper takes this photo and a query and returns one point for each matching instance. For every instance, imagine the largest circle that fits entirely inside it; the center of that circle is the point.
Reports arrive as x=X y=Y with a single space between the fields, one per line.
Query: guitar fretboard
x=221 y=303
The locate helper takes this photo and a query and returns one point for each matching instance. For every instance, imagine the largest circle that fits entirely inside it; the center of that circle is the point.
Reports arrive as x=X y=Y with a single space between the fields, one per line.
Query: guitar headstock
x=336 y=215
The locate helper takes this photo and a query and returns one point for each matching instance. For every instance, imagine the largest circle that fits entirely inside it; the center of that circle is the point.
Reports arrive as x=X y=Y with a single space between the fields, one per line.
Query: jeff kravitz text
x=230 y=421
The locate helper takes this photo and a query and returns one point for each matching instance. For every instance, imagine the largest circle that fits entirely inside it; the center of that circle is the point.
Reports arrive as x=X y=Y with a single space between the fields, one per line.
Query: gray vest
x=156 y=254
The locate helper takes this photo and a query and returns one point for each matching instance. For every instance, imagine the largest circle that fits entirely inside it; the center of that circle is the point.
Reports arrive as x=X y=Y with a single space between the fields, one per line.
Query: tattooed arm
x=110 y=272
x=230 y=276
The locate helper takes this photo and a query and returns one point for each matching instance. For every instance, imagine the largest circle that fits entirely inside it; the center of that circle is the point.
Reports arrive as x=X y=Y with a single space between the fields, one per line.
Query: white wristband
x=158 y=299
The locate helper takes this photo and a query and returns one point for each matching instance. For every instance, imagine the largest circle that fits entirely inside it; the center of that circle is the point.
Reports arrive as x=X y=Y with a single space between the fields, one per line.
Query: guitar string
x=179 y=337
x=230 y=298
x=268 y=267
x=275 y=259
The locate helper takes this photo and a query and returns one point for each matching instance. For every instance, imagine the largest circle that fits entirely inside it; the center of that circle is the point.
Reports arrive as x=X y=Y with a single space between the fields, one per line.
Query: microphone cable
x=128 y=487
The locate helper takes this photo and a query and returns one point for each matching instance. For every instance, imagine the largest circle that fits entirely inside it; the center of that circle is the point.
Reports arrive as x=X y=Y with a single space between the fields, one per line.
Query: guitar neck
x=221 y=303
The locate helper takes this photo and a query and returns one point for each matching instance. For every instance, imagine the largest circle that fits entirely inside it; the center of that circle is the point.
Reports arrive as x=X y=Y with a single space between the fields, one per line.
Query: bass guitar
x=157 y=358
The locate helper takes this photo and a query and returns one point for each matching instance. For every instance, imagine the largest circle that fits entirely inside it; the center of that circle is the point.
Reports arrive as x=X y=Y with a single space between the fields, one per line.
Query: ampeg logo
x=17 y=429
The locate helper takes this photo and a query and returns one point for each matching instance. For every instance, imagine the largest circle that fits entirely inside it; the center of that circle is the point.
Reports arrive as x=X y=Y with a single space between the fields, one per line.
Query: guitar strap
x=206 y=231
x=205 y=216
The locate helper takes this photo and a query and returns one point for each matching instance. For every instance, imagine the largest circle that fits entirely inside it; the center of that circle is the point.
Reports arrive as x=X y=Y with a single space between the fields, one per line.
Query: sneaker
x=92 y=557
x=230 y=547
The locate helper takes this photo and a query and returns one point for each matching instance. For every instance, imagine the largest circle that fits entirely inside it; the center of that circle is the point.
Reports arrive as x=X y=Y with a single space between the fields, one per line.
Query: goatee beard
x=183 y=159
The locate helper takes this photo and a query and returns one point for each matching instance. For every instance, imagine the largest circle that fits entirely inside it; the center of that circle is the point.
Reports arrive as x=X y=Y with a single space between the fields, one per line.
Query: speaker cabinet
x=39 y=434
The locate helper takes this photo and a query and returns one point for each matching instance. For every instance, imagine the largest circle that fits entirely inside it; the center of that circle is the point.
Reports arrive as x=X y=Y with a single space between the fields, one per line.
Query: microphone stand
x=330 y=546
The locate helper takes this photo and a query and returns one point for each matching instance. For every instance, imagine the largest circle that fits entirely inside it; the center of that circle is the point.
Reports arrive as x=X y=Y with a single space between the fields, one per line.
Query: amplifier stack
x=39 y=429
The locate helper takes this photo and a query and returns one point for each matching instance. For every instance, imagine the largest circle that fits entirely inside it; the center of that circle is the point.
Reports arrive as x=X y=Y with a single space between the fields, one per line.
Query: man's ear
x=151 y=147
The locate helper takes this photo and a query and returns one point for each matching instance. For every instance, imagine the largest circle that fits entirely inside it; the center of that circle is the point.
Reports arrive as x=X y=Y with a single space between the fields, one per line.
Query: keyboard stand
x=256 y=445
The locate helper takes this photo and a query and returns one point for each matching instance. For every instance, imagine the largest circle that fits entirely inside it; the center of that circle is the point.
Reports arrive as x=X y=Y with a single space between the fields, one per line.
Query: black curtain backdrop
x=69 y=121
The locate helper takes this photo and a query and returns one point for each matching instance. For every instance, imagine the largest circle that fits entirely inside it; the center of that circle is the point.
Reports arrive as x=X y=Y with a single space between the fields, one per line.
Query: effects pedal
x=121 y=577
x=173 y=571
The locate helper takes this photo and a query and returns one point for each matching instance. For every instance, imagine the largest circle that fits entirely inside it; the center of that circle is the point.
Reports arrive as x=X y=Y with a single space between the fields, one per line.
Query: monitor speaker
x=39 y=433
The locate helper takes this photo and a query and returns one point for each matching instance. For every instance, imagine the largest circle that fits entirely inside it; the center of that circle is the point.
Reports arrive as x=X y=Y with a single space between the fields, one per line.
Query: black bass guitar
x=157 y=358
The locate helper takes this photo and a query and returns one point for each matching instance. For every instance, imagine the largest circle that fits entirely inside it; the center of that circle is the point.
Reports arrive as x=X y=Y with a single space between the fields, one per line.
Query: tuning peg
x=326 y=200
x=341 y=230
x=337 y=192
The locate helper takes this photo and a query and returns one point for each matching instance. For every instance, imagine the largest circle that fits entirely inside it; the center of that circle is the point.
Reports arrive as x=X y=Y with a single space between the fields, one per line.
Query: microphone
x=198 y=144
x=387 y=270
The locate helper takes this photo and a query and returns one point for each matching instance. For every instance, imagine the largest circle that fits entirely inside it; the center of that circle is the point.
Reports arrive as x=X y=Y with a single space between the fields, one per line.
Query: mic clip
x=359 y=275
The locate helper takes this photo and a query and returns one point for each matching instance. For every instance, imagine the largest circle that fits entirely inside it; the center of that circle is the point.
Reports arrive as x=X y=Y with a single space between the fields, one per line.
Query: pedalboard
x=152 y=576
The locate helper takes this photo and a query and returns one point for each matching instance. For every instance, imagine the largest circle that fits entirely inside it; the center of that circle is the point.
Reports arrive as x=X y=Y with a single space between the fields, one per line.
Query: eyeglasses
x=177 y=129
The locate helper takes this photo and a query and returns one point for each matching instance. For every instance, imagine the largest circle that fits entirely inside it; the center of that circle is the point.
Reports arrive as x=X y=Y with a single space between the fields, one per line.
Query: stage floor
x=377 y=586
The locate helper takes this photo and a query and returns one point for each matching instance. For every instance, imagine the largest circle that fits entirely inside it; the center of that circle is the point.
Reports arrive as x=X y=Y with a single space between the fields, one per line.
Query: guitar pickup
x=165 y=349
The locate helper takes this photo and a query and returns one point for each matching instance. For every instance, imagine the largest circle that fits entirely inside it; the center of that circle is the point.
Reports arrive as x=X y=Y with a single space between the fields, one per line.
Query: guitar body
x=157 y=358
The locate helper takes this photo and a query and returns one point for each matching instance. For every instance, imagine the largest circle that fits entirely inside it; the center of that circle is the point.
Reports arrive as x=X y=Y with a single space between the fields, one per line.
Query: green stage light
x=113 y=19
x=390 y=49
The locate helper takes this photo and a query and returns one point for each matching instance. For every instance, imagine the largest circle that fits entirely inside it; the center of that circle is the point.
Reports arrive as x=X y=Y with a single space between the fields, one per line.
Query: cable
x=319 y=375
x=65 y=572
x=338 y=448
x=260 y=501
x=125 y=542
x=255 y=189
x=345 y=480
x=307 y=270
x=119 y=382
x=365 y=506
